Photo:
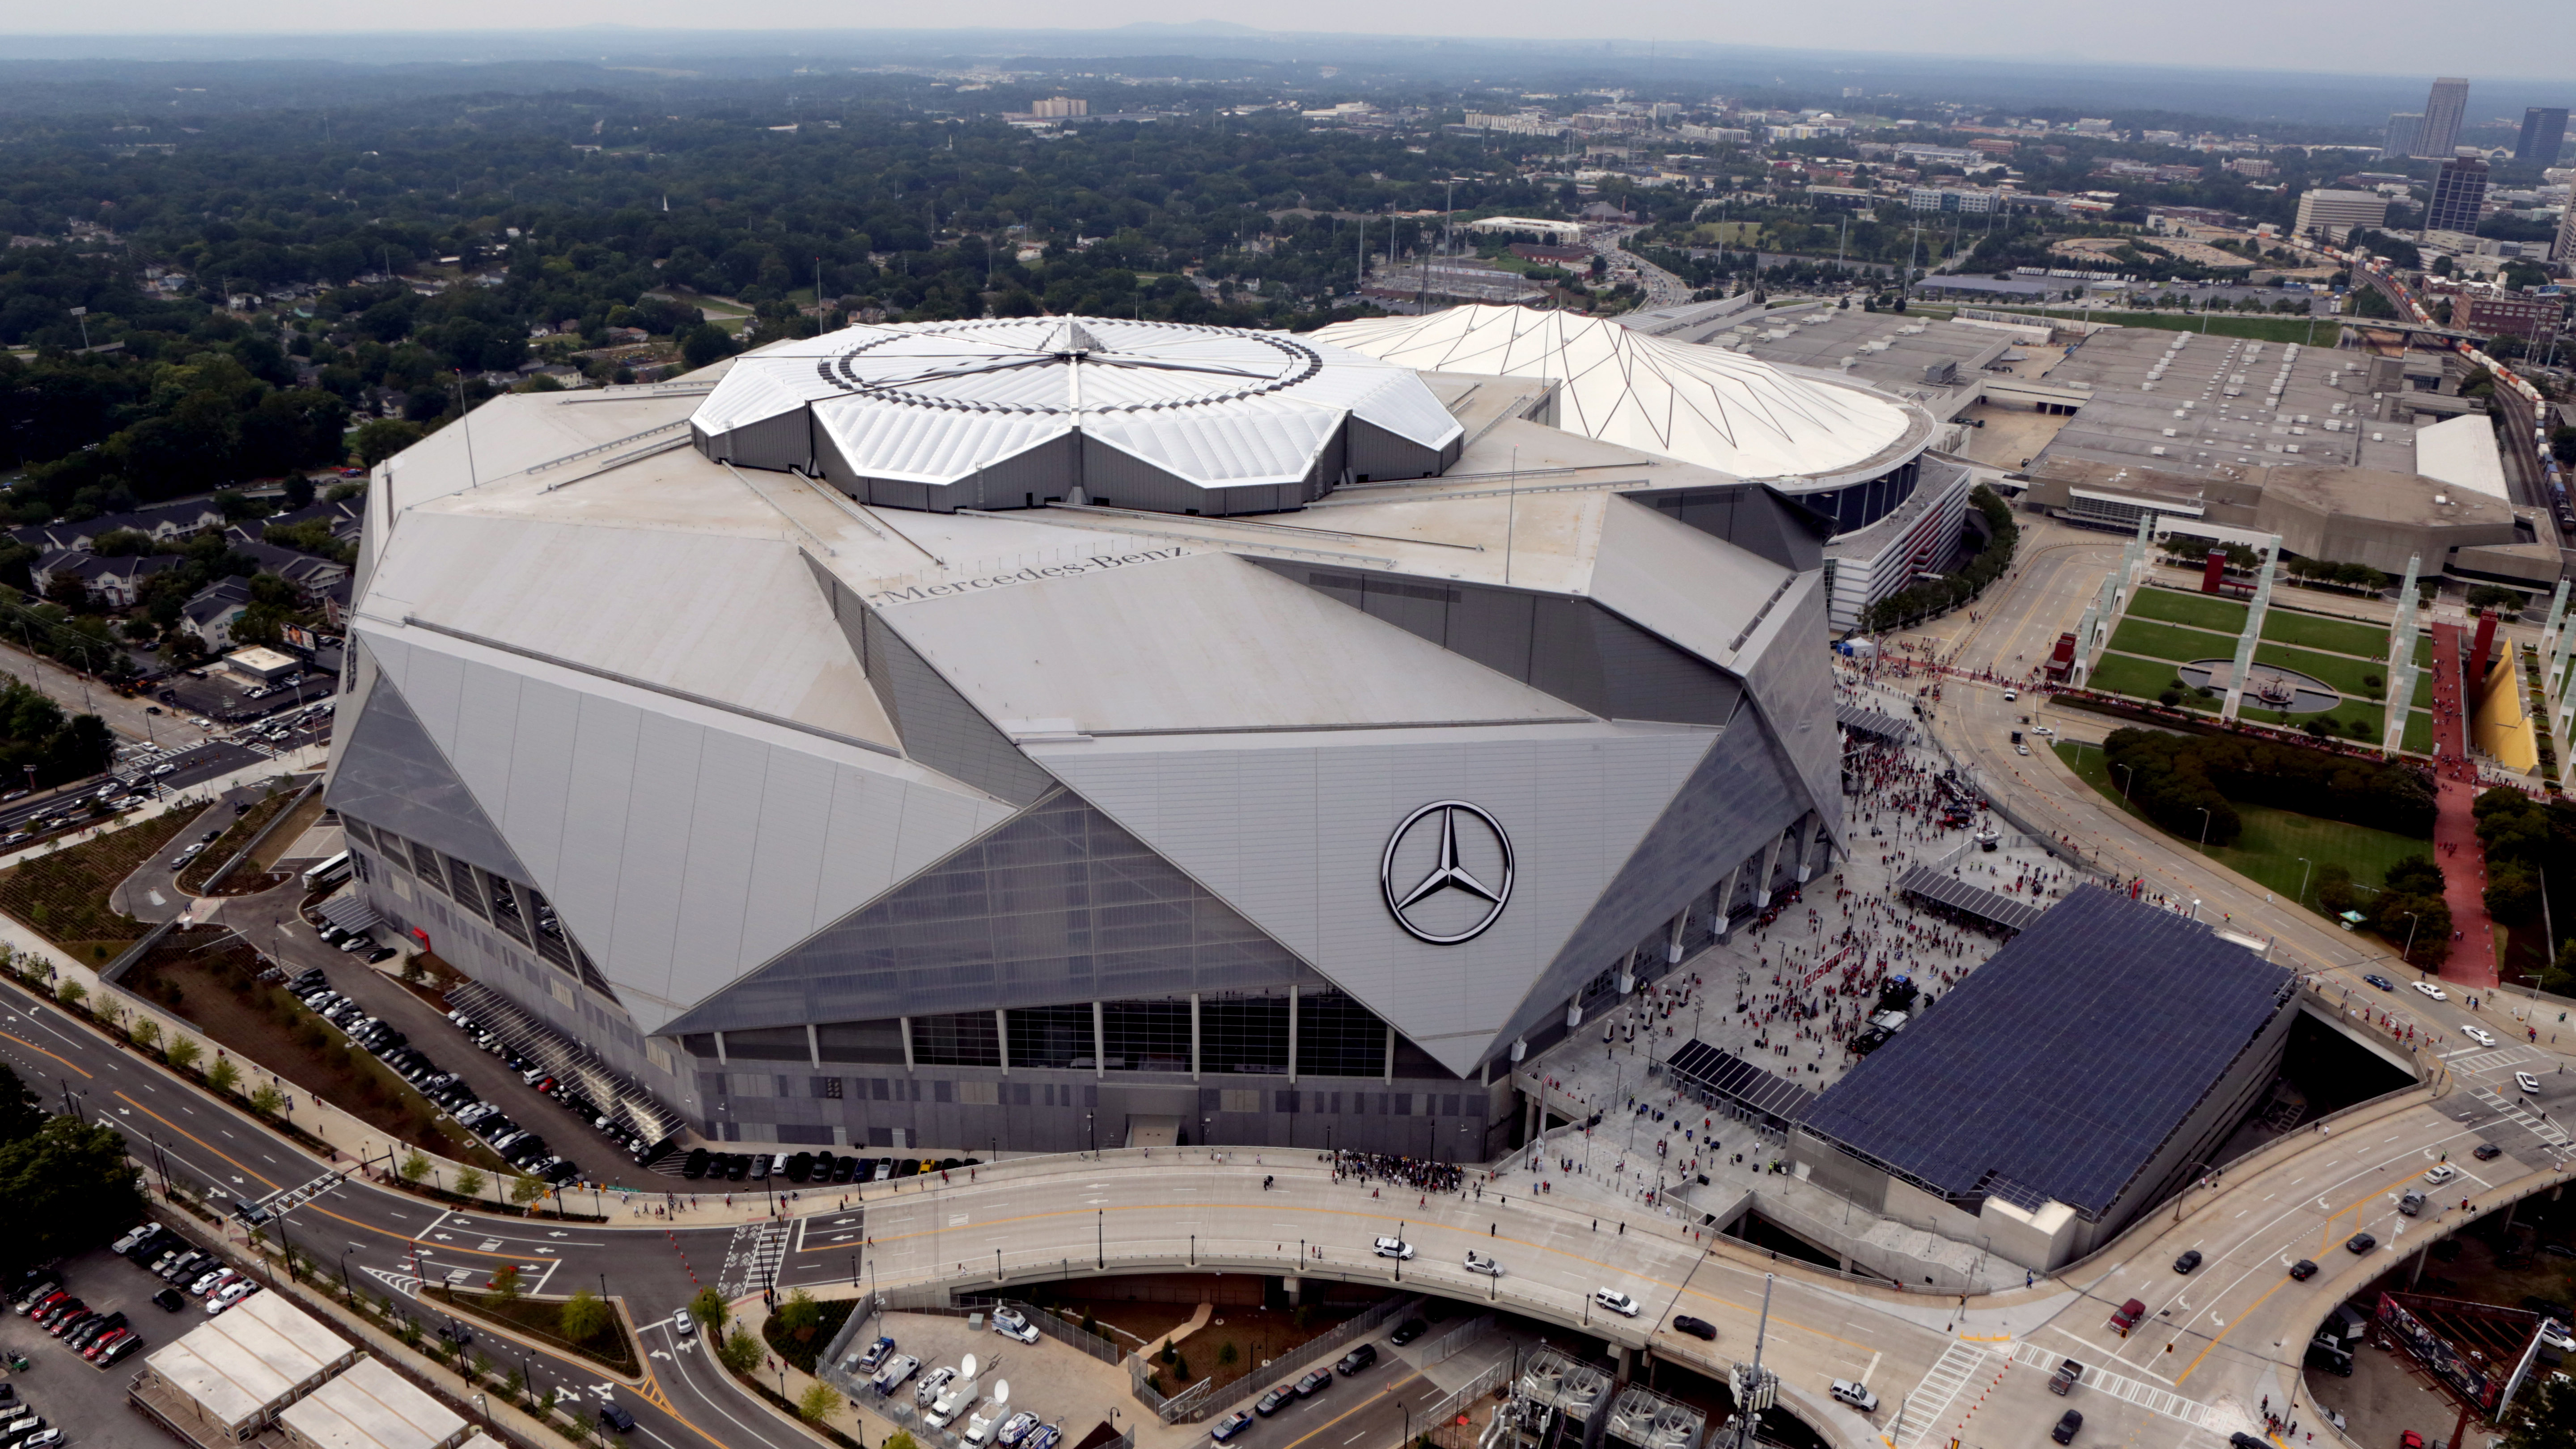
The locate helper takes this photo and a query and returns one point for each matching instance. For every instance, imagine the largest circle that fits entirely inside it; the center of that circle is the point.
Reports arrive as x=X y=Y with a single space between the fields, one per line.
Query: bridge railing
x=1293 y=1362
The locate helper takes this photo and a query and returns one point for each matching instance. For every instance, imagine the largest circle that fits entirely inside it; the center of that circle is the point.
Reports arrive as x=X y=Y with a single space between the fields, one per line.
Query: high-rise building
x=2563 y=249
x=2444 y=110
x=2459 y=192
x=2544 y=131
x=2403 y=128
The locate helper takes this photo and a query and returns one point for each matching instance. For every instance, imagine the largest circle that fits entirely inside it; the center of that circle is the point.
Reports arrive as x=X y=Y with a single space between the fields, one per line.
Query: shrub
x=583 y=1316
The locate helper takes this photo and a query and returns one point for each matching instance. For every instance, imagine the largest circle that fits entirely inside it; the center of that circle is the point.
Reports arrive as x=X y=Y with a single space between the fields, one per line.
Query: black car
x=800 y=1167
x=612 y=1416
x=1314 y=1383
x=1231 y=1425
x=842 y=1169
x=1695 y=1327
x=2302 y=1270
x=1358 y=1361
x=2067 y=1424
x=2487 y=1152
x=2361 y=1243
x=2187 y=1261
x=170 y=1300
x=739 y=1168
x=1275 y=1400
x=1406 y=1332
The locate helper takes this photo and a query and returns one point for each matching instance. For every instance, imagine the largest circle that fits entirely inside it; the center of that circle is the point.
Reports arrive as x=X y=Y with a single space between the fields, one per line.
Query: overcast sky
x=2495 y=38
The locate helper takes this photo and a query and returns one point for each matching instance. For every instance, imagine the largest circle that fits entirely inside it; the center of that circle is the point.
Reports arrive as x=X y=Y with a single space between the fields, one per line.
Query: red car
x=2410 y=1440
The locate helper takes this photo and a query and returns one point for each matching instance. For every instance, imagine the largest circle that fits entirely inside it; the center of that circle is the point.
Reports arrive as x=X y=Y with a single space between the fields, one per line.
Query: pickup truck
x=2128 y=1316
x=2067 y=1376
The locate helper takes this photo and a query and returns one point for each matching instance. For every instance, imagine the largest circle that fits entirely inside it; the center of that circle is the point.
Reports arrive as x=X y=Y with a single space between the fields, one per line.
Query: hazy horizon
x=2203 y=36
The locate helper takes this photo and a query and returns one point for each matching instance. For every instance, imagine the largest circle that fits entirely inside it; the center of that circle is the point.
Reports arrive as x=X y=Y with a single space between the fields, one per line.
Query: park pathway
x=2472 y=961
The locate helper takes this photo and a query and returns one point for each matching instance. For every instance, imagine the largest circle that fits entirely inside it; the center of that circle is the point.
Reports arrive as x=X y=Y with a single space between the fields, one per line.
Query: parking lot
x=88 y=1403
x=1062 y=1386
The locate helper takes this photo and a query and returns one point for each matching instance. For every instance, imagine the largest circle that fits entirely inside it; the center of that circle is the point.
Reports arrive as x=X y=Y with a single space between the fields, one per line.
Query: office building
x=2444 y=112
x=1061 y=107
x=902 y=737
x=2336 y=212
x=2403 y=128
x=2562 y=248
x=2544 y=132
x=2459 y=196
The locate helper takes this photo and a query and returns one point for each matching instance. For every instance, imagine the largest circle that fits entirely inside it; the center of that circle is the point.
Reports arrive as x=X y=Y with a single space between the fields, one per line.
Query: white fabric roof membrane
x=934 y=401
x=1699 y=404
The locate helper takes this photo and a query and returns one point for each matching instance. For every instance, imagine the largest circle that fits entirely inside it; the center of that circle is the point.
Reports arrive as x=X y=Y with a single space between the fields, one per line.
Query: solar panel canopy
x=1732 y=1077
x=1977 y=901
x=2063 y=1063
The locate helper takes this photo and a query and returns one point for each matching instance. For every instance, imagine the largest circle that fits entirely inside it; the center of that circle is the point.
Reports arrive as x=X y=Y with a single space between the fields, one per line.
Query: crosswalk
x=752 y=1258
x=2551 y=1135
x=2135 y=1391
x=2500 y=1059
x=1929 y=1405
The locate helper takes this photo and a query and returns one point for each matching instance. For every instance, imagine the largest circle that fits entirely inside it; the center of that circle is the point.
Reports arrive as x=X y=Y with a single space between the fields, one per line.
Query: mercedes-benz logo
x=1482 y=872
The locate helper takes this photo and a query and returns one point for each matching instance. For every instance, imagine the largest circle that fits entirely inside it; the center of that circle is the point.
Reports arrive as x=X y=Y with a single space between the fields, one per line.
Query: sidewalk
x=2472 y=960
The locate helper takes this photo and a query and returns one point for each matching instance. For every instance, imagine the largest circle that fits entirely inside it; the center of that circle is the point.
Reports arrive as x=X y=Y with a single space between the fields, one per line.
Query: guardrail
x=1449 y=1345
x=1312 y=1350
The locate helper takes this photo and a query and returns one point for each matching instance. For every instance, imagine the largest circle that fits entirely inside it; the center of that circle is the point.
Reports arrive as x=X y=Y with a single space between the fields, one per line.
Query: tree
x=65 y=1187
x=21 y=1115
x=266 y=1101
x=71 y=993
x=741 y=1352
x=415 y=1166
x=505 y=1286
x=376 y=441
x=525 y=1189
x=818 y=1402
x=184 y=1052
x=2512 y=894
x=583 y=1317
x=705 y=343
x=708 y=1308
x=800 y=1312
x=469 y=1183
x=223 y=1075
x=2544 y=1415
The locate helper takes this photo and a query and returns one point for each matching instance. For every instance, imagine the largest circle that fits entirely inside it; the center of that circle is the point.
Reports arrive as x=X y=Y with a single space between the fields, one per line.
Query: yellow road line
x=31 y=1046
x=1392 y=1390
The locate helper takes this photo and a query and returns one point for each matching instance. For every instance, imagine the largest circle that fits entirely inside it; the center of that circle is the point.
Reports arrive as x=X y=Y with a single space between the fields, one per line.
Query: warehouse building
x=226 y=1380
x=1050 y=732
x=371 y=1407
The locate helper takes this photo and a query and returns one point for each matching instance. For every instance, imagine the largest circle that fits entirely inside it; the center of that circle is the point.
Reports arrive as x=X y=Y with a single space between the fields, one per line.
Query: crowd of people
x=1388 y=1169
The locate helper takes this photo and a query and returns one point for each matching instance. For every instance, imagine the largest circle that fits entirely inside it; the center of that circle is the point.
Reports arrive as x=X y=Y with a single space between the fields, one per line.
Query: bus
x=329 y=872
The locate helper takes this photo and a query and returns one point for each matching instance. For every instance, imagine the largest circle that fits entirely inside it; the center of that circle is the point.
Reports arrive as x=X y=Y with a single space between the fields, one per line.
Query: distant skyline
x=2368 y=37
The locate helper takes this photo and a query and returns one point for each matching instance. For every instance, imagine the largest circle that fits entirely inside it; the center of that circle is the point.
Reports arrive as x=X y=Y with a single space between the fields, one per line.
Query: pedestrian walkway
x=2471 y=961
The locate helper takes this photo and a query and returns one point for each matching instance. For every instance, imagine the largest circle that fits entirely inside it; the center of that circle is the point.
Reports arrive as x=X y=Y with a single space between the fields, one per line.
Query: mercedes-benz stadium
x=1040 y=732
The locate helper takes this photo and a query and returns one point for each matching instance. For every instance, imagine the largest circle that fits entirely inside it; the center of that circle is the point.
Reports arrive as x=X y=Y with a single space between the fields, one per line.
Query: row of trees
x=2174 y=778
x=1933 y=596
x=2408 y=910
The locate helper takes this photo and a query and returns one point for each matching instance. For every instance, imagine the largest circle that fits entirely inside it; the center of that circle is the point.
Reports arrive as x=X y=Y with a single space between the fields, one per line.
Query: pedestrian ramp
x=1928 y=1406
x=2551 y=1135
x=2098 y=1380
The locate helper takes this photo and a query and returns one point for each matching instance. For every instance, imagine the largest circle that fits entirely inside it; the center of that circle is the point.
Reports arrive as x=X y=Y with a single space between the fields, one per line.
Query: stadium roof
x=2063 y=1064
x=935 y=403
x=1699 y=404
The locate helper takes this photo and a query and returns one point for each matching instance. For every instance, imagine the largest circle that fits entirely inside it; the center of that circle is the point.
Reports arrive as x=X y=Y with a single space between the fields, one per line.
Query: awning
x=350 y=913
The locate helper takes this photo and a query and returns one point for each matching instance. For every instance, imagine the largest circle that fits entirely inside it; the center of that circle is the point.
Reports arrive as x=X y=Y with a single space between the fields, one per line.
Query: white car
x=1856 y=1395
x=2529 y=1083
x=1011 y=1323
x=1617 y=1302
x=1479 y=1263
x=230 y=1296
x=2442 y=1172
x=2011 y=694
x=1396 y=1248
x=2479 y=1034
x=2431 y=990
x=685 y=1324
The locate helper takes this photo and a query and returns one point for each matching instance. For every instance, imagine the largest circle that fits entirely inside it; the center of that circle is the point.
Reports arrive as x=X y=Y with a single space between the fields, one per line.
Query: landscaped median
x=63 y=895
x=584 y=1324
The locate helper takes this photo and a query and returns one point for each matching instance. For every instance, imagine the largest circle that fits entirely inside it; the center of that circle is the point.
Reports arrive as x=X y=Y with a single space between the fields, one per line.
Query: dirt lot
x=209 y=976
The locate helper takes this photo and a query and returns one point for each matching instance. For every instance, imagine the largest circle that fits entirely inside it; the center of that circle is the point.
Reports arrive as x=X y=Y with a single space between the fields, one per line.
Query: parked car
x=1015 y=1428
x=868 y=1360
x=934 y=1386
x=1315 y=1382
x=1358 y=1361
x=1231 y=1425
x=1275 y=1400
x=1407 y=1331
x=1011 y=1323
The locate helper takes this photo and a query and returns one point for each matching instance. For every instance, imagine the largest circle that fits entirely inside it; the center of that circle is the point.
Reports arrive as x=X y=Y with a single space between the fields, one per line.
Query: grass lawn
x=2423 y=699
x=2201 y=611
x=2138 y=678
x=2424 y=650
x=2270 y=848
x=2261 y=329
x=2170 y=641
x=2340 y=671
x=2419 y=731
x=2342 y=636
x=537 y=1319
x=64 y=895
x=2371 y=716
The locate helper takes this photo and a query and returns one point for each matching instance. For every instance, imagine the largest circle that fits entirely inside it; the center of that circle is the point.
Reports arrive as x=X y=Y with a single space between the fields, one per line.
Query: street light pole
x=2127 y=780
x=2412 y=921
x=2204 y=828
x=2303 y=878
